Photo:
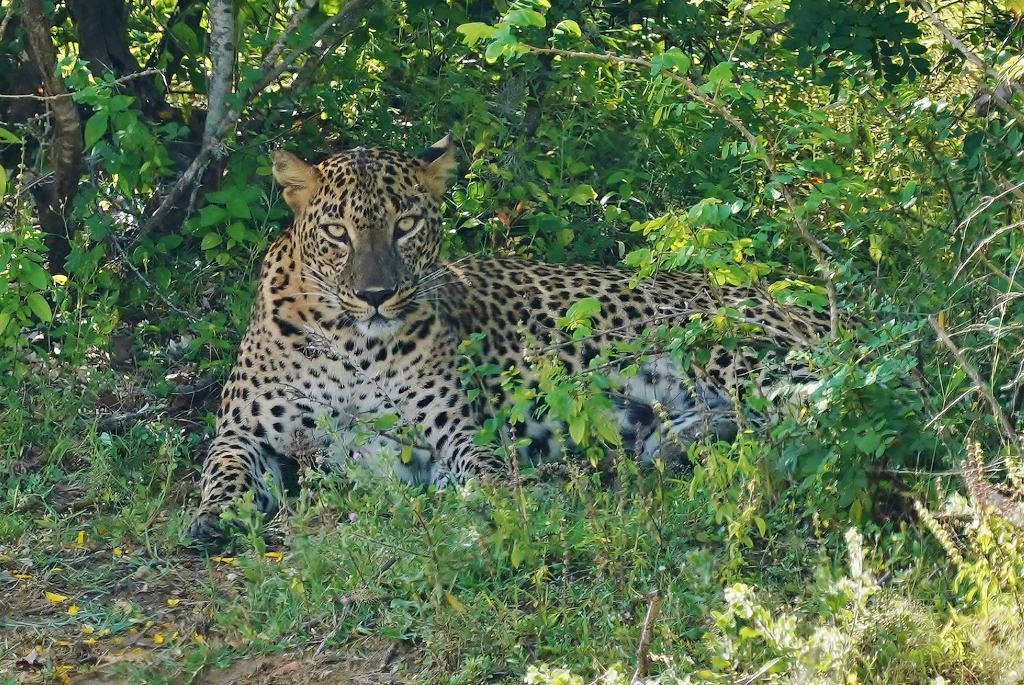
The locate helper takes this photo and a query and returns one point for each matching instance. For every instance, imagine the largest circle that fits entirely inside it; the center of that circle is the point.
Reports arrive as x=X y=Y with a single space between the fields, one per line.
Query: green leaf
x=8 y=137
x=236 y=231
x=516 y=557
x=577 y=428
x=5 y=319
x=95 y=128
x=582 y=194
x=499 y=46
x=583 y=309
x=475 y=32
x=671 y=59
x=560 y=402
x=40 y=307
x=720 y=74
x=568 y=27
x=385 y=422
x=210 y=241
x=525 y=18
x=211 y=214
x=3 y=181
x=34 y=275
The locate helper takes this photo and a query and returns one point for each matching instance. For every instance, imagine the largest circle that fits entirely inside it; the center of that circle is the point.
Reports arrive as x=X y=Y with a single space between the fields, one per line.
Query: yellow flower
x=73 y=609
x=158 y=638
x=173 y=601
x=81 y=533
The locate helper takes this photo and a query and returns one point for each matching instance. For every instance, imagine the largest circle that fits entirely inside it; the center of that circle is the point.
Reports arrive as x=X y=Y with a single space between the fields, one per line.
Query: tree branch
x=65 y=94
x=349 y=15
x=643 y=650
x=7 y=18
x=981 y=386
x=978 y=62
x=797 y=221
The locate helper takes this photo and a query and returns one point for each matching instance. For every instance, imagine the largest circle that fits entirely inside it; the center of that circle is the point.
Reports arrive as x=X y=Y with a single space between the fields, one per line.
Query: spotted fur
x=355 y=318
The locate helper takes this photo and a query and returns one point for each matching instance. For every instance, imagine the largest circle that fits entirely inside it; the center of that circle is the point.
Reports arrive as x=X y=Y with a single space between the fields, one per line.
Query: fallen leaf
x=173 y=601
x=54 y=597
x=158 y=638
x=73 y=609
x=276 y=556
x=81 y=538
x=33 y=658
x=290 y=667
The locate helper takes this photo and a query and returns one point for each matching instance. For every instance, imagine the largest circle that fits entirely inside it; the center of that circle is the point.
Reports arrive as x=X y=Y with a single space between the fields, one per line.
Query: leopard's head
x=368 y=228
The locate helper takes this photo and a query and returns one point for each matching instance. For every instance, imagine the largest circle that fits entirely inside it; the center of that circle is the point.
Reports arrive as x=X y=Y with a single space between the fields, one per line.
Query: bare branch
x=278 y=47
x=798 y=222
x=980 y=385
x=978 y=62
x=56 y=96
x=7 y=18
x=643 y=655
x=349 y=15
x=352 y=12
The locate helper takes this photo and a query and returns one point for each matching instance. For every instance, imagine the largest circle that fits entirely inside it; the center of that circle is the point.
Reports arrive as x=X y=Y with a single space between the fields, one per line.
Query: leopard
x=357 y=317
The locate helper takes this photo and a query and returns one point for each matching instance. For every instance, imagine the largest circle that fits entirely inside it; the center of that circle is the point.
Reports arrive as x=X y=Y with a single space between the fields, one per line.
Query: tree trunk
x=53 y=196
x=222 y=56
x=101 y=26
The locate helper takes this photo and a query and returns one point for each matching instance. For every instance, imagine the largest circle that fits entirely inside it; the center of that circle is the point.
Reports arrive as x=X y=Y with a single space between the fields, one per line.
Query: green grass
x=481 y=584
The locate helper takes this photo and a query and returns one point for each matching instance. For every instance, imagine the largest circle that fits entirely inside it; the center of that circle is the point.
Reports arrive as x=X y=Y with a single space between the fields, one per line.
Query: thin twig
x=149 y=284
x=58 y=96
x=979 y=382
x=278 y=47
x=978 y=62
x=797 y=221
x=643 y=656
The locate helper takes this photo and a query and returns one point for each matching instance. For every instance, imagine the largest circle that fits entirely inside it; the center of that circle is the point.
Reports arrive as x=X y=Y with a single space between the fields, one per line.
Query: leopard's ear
x=439 y=164
x=298 y=180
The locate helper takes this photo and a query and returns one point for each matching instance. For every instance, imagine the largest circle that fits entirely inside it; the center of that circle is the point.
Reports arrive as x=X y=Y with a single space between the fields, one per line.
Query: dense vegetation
x=863 y=157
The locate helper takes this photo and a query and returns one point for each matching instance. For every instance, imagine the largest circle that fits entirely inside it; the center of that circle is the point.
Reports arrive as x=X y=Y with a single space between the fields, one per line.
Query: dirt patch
x=105 y=616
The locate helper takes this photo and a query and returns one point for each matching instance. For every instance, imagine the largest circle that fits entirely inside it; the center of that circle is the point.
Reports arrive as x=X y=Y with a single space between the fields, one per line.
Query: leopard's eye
x=404 y=226
x=338 y=232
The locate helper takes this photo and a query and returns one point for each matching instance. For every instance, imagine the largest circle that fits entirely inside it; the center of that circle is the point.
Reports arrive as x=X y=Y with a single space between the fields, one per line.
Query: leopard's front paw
x=206 y=530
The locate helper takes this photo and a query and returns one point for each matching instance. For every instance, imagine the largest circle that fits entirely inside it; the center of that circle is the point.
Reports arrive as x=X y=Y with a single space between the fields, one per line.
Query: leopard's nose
x=375 y=297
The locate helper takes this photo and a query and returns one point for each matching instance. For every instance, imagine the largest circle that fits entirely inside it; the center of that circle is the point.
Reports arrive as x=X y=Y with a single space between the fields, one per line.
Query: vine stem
x=798 y=222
